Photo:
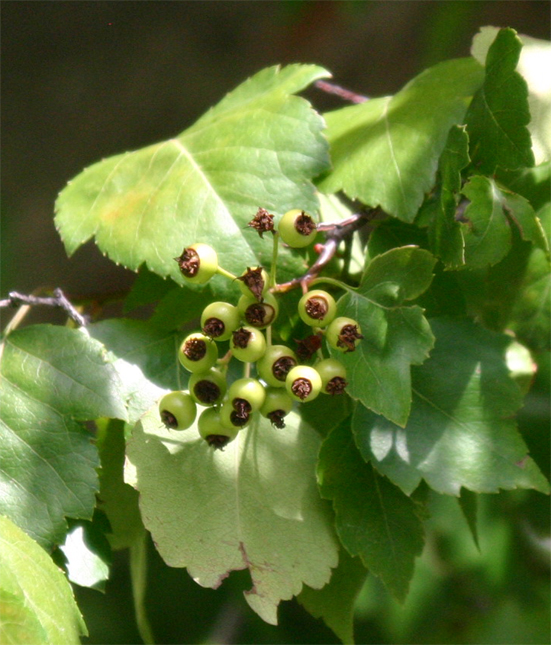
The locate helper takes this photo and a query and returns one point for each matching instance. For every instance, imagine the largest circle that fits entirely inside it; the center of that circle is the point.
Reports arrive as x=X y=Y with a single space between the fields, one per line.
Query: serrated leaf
x=385 y=151
x=375 y=520
x=461 y=431
x=445 y=235
x=52 y=377
x=395 y=335
x=254 y=505
x=36 y=601
x=534 y=66
x=260 y=146
x=335 y=602
x=498 y=116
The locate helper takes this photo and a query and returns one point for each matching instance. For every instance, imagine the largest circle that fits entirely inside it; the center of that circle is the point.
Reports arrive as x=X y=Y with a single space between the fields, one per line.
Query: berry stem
x=273 y=267
x=225 y=273
x=246 y=370
x=335 y=283
x=269 y=336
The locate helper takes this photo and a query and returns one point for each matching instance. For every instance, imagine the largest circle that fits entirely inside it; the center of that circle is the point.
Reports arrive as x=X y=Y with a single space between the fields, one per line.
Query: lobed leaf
x=385 y=151
x=375 y=520
x=52 y=377
x=252 y=506
x=36 y=601
x=395 y=335
x=260 y=146
x=461 y=431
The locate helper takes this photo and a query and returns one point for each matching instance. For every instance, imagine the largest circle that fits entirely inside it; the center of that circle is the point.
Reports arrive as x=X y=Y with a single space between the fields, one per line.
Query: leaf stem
x=138 y=575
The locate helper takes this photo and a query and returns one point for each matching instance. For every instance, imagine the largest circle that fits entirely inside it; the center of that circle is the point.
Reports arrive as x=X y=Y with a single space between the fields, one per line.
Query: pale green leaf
x=254 y=505
x=36 y=601
x=385 y=151
x=461 y=431
x=396 y=335
x=374 y=519
x=52 y=377
x=87 y=555
x=260 y=146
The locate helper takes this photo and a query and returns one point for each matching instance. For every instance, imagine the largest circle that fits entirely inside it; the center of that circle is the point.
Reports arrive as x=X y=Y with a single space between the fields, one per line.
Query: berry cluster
x=281 y=377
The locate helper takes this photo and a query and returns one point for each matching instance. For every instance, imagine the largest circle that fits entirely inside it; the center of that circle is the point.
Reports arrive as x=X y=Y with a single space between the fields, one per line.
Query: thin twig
x=341 y=92
x=16 y=299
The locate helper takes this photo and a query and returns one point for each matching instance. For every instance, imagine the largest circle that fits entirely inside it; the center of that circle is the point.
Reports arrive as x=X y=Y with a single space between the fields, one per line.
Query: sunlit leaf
x=254 y=505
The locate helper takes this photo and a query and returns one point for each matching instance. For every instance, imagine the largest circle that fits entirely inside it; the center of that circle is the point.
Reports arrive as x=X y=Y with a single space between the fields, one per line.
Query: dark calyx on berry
x=217 y=441
x=263 y=222
x=301 y=387
x=317 y=307
x=207 y=392
x=169 y=419
x=213 y=328
x=242 y=407
x=308 y=347
x=304 y=224
x=276 y=417
x=189 y=262
x=195 y=349
x=241 y=337
x=257 y=313
x=282 y=367
x=348 y=337
x=254 y=281
x=336 y=385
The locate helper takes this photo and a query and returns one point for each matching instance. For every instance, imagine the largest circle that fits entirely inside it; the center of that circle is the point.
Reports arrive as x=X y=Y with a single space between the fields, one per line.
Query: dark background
x=85 y=80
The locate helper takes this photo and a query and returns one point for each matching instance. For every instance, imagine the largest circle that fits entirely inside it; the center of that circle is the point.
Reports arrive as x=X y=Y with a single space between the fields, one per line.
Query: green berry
x=333 y=376
x=344 y=334
x=211 y=429
x=247 y=394
x=234 y=419
x=254 y=282
x=259 y=314
x=219 y=320
x=207 y=388
x=277 y=405
x=198 y=263
x=317 y=308
x=198 y=353
x=276 y=363
x=248 y=344
x=297 y=229
x=177 y=410
x=303 y=383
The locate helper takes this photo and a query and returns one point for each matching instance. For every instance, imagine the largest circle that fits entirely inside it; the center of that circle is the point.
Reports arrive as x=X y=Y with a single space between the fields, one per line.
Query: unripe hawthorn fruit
x=254 y=282
x=259 y=314
x=177 y=410
x=219 y=320
x=247 y=344
x=198 y=353
x=344 y=334
x=232 y=418
x=317 y=308
x=303 y=383
x=247 y=394
x=277 y=406
x=208 y=388
x=276 y=363
x=297 y=229
x=198 y=263
x=212 y=431
x=333 y=376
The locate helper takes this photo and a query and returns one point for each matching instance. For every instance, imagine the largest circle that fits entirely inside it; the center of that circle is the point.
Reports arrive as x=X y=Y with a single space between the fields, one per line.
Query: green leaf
x=385 y=151
x=374 y=519
x=395 y=335
x=260 y=146
x=335 y=602
x=468 y=502
x=52 y=377
x=254 y=506
x=499 y=113
x=461 y=431
x=534 y=66
x=445 y=235
x=36 y=601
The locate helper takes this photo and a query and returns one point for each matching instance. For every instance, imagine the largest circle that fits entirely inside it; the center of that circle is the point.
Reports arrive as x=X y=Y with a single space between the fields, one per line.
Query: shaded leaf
x=52 y=377
x=498 y=116
x=385 y=151
x=461 y=431
x=260 y=146
x=468 y=502
x=252 y=506
x=335 y=602
x=36 y=601
x=375 y=520
x=395 y=335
